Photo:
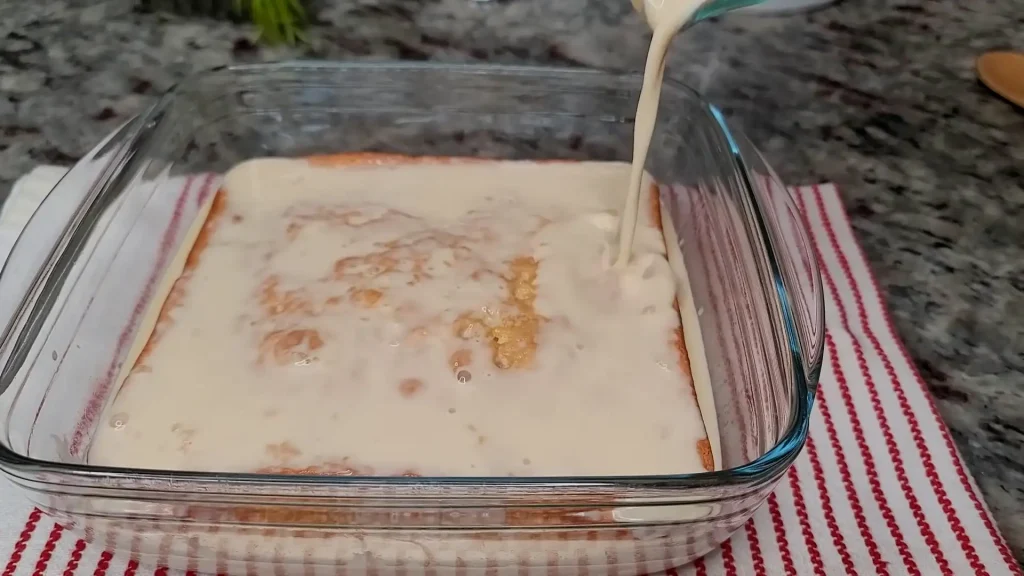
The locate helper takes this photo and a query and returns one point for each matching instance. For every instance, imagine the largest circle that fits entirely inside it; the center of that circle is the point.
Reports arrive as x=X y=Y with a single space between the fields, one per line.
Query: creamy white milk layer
x=432 y=318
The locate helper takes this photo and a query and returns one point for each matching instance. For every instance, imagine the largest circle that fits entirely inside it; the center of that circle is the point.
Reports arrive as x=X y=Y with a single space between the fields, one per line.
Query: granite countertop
x=877 y=96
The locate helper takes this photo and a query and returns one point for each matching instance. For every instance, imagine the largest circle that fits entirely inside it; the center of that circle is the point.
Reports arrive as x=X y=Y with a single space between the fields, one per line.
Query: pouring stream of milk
x=665 y=17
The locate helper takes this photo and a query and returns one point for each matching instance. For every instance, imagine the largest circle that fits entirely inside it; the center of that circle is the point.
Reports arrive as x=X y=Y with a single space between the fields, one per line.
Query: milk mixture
x=666 y=18
x=426 y=318
x=421 y=318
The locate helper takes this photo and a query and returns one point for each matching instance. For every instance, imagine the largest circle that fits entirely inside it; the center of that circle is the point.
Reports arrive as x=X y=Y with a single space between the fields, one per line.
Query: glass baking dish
x=72 y=291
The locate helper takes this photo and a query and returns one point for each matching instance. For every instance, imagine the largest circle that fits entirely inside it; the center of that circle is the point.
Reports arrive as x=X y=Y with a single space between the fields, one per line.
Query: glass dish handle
x=800 y=290
x=800 y=274
x=36 y=254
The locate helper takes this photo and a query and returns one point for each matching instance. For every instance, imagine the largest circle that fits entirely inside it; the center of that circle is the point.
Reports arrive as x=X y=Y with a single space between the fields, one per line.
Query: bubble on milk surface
x=119 y=421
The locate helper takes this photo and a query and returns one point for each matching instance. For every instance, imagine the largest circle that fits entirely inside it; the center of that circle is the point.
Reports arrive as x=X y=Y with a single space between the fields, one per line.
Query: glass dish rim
x=765 y=468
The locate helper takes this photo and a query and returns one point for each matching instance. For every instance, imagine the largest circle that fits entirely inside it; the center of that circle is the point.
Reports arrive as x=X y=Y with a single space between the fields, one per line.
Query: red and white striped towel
x=879 y=489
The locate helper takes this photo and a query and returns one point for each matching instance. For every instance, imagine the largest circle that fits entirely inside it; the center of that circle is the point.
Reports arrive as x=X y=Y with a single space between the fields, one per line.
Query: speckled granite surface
x=878 y=96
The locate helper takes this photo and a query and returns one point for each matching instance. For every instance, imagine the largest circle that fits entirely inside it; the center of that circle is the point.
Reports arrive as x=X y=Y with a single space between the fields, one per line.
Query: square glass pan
x=106 y=228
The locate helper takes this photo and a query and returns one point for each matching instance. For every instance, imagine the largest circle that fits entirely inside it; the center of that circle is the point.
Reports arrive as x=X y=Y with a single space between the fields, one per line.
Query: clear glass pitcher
x=710 y=9
x=718 y=7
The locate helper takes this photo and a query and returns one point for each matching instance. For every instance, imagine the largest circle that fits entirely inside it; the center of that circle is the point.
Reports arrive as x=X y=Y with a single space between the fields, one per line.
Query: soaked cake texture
x=381 y=315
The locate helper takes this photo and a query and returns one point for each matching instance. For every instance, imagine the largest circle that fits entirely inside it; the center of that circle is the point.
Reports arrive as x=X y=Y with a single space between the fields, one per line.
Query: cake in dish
x=381 y=315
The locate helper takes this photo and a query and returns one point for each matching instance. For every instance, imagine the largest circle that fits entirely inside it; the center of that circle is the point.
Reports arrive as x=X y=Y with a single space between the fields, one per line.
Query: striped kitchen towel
x=879 y=488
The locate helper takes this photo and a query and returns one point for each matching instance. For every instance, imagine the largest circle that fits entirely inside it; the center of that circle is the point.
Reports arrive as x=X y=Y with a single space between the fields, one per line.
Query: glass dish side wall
x=723 y=214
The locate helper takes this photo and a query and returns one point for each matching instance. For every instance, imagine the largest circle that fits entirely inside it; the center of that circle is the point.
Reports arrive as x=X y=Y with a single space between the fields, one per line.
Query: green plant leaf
x=277 y=20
